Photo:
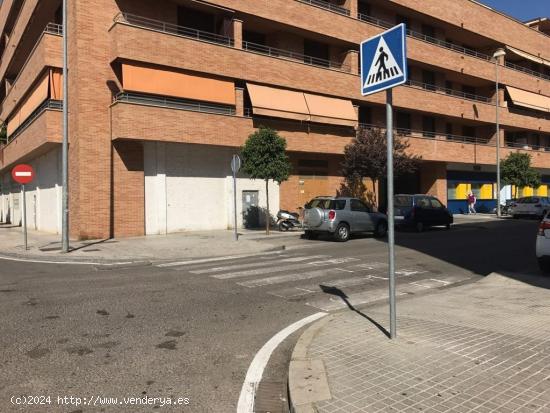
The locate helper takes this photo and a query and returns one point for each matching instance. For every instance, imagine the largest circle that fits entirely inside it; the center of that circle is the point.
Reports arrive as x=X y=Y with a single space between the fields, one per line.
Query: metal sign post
x=383 y=67
x=235 y=166
x=23 y=174
x=24 y=217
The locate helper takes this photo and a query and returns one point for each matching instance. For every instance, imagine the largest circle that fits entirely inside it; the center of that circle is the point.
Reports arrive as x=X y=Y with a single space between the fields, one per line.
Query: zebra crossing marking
x=260 y=271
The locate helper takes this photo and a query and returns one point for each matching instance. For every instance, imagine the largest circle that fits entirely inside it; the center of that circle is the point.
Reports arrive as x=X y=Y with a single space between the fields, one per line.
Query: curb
x=307 y=378
x=123 y=262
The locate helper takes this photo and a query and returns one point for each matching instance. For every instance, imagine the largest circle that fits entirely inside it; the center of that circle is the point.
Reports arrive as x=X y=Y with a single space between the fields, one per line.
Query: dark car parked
x=421 y=211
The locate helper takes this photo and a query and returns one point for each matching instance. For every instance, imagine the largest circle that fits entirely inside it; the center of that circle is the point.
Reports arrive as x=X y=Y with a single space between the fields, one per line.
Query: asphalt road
x=191 y=331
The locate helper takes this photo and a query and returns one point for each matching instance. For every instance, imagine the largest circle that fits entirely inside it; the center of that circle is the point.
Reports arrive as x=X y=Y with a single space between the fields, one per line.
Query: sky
x=521 y=9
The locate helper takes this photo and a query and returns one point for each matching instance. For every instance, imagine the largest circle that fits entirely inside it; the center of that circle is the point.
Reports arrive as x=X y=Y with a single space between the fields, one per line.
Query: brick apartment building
x=162 y=93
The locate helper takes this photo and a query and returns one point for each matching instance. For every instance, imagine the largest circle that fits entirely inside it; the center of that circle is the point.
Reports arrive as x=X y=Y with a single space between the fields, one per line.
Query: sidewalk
x=156 y=248
x=481 y=347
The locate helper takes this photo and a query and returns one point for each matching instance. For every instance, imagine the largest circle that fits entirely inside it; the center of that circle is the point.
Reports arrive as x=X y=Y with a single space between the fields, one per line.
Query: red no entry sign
x=22 y=174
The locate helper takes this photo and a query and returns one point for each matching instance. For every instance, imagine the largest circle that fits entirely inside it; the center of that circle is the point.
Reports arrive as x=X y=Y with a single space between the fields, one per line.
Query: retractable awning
x=136 y=78
x=528 y=56
x=528 y=99
x=288 y=104
x=38 y=95
x=279 y=103
x=333 y=111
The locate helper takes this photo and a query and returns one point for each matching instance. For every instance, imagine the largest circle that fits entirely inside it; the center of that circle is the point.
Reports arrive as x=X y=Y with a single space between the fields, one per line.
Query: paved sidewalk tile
x=484 y=347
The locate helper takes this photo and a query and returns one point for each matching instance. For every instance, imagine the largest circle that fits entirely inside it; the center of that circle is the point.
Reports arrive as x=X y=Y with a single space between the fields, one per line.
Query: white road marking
x=215 y=259
x=440 y=281
x=286 y=278
x=257 y=367
x=254 y=264
x=260 y=271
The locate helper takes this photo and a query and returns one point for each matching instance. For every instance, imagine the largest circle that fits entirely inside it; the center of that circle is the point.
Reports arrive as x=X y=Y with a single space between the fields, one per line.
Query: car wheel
x=544 y=265
x=381 y=229
x=419 y=226
x=515 y=216
x=342 y=233
x=310 y=235
x=448 y=226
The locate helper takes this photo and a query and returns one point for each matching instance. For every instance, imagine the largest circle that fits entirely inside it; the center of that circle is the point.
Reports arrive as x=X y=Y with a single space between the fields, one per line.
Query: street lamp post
x=499 y=53
x=65 y=145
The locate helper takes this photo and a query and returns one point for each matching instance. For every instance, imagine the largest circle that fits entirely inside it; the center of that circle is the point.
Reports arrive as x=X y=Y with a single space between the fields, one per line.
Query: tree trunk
x=267 y=219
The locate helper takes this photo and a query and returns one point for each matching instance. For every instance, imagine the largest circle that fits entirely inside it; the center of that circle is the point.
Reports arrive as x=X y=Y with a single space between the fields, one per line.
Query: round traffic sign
x=22 y=174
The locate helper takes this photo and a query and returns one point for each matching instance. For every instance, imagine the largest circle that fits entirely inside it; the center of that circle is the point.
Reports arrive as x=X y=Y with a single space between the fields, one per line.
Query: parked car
x=341 y=217
x=420 y=211
x=543 y=244
x=533 y=206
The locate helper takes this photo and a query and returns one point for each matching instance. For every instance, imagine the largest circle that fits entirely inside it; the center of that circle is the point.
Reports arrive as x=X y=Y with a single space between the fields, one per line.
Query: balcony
x=172 y=49
x=46 y=53
x=38 y=134
x=327 y=5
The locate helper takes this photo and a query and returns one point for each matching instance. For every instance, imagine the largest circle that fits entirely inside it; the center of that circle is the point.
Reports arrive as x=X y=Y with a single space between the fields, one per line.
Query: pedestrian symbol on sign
x=384 y=66
x=383 y=61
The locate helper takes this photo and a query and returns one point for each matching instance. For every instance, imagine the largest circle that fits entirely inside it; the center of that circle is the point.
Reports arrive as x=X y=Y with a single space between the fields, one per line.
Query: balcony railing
x=526 y=70
x=174 y=29
x=327 y=5
x=527 y=146
x=47 y=105
x=451 y=92
x=287 y=54
x=407 y=132
x=173 y=103
x=54 y=28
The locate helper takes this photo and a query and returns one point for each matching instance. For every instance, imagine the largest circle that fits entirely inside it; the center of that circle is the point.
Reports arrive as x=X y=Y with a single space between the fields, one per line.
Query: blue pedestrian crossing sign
x=384 y=61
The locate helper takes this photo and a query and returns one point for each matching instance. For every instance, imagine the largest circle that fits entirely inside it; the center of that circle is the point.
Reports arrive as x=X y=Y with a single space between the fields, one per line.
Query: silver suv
x=341 y=217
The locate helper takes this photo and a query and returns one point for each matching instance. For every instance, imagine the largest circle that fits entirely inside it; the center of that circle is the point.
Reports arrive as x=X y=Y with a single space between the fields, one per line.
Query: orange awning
x=289 y=104
x=38 y=95
x=176 y=84
x=333 y=111
x=279 y=103
x=528 y=99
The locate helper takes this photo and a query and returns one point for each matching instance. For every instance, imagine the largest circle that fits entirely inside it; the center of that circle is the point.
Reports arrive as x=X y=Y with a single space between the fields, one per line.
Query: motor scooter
x=288 y=220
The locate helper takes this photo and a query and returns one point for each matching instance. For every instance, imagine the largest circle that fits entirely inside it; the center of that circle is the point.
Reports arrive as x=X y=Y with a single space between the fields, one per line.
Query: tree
x=366 y=157
x=516 y=170
x=264 y=157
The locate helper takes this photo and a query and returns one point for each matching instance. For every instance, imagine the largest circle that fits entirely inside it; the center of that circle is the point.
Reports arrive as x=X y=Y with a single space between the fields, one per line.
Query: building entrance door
x=251 y=211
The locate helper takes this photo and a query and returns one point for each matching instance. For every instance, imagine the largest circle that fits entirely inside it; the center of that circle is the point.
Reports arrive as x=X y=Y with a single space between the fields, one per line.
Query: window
x=316 y=53
x=423 y=202
x=435 y=203
x=448 y=87
x=428 y=30
x=358 y=206
x=196 y=19
x=469 y=131
x=365 y=115
x=403 y=123
x=469 y=92
x=253 y=40
x=449 y=130
x=428 y=126
x=364 y=8
x=428 y=78
x=403 y=201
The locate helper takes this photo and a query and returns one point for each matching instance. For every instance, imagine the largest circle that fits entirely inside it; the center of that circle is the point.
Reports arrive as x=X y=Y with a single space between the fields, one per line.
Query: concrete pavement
x=199 y=244
x=155 y=248
x=480 y=347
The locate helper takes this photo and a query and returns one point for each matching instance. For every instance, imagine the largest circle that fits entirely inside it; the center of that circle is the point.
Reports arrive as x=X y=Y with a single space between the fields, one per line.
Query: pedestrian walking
x=472 y=203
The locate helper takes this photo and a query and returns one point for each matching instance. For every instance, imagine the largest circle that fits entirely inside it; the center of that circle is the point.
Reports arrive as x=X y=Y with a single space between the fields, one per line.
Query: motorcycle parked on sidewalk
x=288 y=220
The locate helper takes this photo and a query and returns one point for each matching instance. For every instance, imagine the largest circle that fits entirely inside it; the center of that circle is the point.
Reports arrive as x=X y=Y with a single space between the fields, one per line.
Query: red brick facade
x=106 y=152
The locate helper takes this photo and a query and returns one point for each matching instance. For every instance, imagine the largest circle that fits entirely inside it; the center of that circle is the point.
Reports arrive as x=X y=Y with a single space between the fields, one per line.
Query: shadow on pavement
x=506 y=246
x=339 y=293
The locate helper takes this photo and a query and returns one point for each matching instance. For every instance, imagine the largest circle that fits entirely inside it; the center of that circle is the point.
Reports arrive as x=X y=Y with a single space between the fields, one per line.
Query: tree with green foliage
x=516 y=170
x=264 y=157
x=366 y=157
